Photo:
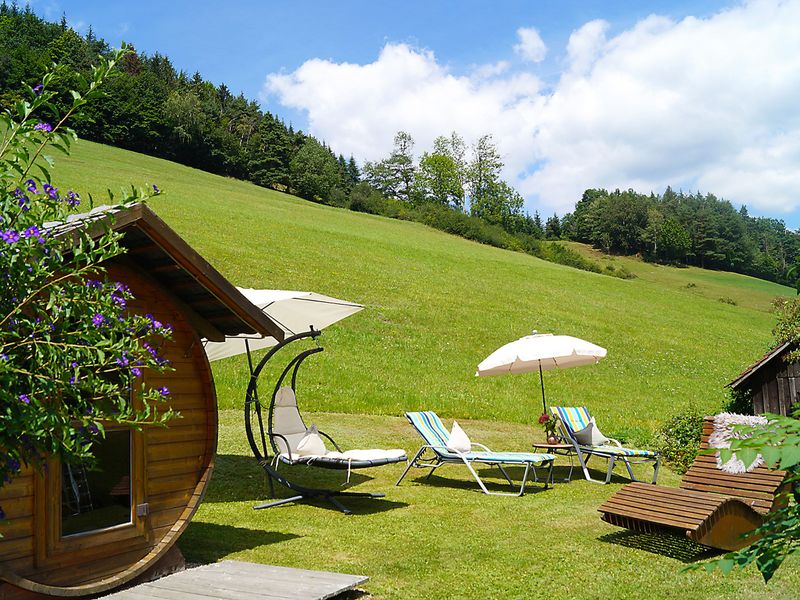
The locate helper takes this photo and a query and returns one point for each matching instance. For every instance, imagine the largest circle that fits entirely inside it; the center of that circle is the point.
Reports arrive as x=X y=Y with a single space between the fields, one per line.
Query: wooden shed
x=74 y=532
x=772 y=382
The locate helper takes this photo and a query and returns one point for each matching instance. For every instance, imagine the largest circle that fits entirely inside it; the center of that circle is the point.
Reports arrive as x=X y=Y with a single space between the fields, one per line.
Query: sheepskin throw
x=723 y=434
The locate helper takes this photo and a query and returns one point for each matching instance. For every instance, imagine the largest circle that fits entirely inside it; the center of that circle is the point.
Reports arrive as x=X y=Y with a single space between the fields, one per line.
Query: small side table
x=558 y=450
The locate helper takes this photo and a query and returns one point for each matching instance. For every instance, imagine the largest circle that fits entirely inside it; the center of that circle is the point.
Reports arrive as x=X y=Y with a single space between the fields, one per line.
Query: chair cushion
x=372 y=454
x=591 y=435
x=458 y=440
x=286 y=420
x=312 y=443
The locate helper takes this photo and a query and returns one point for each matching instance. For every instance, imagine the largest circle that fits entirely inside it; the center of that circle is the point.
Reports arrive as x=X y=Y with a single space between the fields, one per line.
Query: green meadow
x=436 y=305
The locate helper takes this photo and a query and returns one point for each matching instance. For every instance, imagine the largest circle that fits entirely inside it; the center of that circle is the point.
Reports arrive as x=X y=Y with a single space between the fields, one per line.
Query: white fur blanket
x=723 y=434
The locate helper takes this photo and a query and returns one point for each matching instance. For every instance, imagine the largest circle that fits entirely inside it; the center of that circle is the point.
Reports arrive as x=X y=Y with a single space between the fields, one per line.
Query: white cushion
x=312 y=444
x=591 y=435
x=286 y=420
x=373 y=454
x=458 y=440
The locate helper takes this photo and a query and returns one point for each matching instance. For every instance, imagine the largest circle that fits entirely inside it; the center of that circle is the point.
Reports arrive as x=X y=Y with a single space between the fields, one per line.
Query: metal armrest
x=285 y=441
x=486 y=448
x=335 y=445
x=615 y=442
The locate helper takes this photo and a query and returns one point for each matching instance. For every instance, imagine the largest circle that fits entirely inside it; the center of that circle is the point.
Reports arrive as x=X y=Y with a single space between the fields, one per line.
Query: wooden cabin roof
x=213 y=305
x=767 y=359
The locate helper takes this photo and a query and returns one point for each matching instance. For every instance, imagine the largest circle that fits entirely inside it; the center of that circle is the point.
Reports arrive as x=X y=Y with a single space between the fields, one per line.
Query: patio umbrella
x=542 y=352
x=295 y=312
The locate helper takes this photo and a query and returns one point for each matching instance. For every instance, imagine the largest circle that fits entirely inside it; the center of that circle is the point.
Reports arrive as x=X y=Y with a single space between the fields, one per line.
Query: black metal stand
x=261 y=451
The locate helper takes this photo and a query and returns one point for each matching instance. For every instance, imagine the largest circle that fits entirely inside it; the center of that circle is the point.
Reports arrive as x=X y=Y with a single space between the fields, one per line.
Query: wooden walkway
x=234 y=580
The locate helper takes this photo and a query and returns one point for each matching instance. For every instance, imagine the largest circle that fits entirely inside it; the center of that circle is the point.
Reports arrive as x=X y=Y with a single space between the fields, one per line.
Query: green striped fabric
x=576 y=418
x=433 y=431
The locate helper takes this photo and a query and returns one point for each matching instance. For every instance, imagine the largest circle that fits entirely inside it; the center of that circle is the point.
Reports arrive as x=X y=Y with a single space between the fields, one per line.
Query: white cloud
x=585 y=45
x=359 y=108
x=491 y=70
x=707 y=104
x=530 y=46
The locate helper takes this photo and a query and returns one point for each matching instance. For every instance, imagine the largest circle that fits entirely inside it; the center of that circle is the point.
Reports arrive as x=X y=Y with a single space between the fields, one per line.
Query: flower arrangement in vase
x=548 y=422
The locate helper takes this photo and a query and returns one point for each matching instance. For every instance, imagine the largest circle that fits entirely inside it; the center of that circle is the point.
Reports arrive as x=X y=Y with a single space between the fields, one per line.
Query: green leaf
x=44 y=171
x=771 y=455
x=725 y=565
x=790 y=456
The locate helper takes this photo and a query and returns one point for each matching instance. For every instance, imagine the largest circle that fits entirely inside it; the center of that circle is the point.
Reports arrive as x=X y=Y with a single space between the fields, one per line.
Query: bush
x=727 y=300
x=679 y=439
x=738 y=401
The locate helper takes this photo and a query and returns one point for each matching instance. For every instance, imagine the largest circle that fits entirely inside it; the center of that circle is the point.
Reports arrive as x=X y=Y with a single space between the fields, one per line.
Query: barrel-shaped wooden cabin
x=76 y=532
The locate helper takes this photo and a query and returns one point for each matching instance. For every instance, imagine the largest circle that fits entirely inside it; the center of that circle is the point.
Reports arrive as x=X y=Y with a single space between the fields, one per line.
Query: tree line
x=151 y=107
x=680 y=228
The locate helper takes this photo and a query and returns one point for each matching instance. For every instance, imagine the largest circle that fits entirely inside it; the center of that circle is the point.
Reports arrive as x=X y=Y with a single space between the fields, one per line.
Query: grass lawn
x=443 y=538
x=436 y=305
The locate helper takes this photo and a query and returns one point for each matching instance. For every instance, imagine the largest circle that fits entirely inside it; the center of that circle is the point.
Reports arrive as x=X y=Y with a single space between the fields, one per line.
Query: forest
x=154 y=108
x=688 y=229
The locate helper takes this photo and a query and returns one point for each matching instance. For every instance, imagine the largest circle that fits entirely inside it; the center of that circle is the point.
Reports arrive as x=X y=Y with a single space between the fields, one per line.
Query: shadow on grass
x=666 y=544
x=490 y=477
x=209 y=542
x=240 y=478
x=356 y=505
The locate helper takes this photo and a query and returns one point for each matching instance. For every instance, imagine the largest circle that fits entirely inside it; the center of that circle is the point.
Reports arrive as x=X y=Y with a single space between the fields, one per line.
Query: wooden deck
x=234 y=580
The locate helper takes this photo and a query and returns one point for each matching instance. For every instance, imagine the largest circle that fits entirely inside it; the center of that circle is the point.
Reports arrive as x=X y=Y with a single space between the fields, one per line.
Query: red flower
x=544 y=419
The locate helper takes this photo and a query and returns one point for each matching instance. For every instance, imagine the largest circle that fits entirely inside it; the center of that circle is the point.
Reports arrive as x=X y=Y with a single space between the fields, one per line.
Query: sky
x=702 y=95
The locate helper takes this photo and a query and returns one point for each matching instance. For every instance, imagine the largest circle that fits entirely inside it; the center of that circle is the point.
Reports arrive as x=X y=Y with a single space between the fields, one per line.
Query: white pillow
x=312 y=444
x=591 y=435
x=458 y=440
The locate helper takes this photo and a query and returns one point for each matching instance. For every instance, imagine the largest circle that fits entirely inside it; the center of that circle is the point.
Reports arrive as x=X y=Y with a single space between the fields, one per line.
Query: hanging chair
x=282 y=437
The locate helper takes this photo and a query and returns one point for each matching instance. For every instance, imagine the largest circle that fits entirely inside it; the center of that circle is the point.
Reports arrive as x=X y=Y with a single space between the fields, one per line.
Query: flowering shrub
x=72 y=357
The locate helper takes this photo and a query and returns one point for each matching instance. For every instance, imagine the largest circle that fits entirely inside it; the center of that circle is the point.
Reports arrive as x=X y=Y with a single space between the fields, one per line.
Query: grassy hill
x=437 y=305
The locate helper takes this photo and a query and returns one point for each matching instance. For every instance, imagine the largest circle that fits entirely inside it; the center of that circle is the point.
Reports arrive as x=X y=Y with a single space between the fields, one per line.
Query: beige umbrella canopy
x=540 y=352
x=295 y=312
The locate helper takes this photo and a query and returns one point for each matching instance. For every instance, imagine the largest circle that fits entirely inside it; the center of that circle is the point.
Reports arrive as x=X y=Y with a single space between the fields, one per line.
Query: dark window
x=98 y=497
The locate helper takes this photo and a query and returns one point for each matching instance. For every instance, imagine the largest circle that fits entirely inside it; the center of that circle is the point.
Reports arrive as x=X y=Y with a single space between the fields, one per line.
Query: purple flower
x=73 y=199
x=3 y=356
x=121 y=302
x=31 y=231
x=164 y=391
x=24 y=398
x=43 y=127
x=155 y=189
x=38 y=89
x=10 y=236
x=123 y=361
x=136 y=372
x=13 y=465
x=51 y=191
x=93 y=283
x=98 y=320
x=2 y=514
x=31 y=186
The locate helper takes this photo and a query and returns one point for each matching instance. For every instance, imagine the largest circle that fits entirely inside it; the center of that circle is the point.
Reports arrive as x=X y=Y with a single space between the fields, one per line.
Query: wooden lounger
x=711 y=507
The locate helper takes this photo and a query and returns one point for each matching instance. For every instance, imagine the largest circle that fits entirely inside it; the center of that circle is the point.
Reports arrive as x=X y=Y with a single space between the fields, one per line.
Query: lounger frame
x=439 y=455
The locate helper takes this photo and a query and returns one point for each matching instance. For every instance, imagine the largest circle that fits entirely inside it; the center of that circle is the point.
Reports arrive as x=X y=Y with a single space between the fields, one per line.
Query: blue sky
x=699 y=95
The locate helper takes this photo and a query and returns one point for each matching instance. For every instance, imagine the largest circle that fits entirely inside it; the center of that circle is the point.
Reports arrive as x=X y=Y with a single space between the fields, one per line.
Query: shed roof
x=213 y=305
x=765 y=360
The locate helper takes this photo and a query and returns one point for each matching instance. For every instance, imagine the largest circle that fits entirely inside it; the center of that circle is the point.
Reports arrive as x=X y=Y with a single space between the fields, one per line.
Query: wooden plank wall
x=777 y=389
x=176 y=462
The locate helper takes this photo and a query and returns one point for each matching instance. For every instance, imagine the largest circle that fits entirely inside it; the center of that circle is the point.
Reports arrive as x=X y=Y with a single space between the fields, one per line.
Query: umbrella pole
x=541 y=380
